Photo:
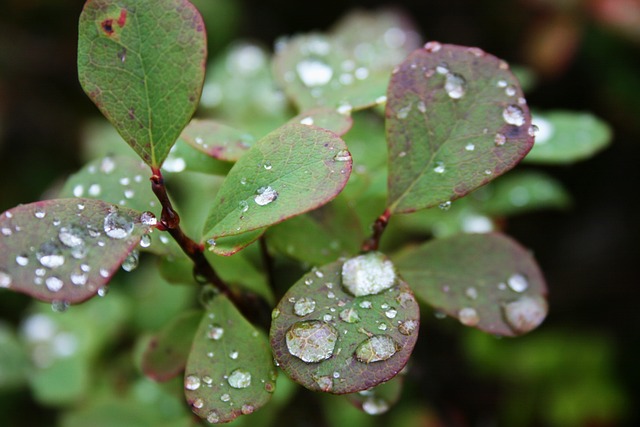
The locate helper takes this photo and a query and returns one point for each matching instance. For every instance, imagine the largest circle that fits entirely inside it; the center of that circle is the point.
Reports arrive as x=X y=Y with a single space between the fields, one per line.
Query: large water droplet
x=526 y=313
x=455 y=85
x=375 y=406
x=311 y=341
x=145 y=241
x=71 y=236
x=39 y=213
x=314 y=72
x=239 y=379
x=368 y=274
x=54 y=284
x=22 y=260
x=518 y=283
x=117 y=226
x=265 y=195
x=304 y=306
x=148 y=219
x=191 y=382
x=407 y=327
x=468 y=316
x=131 y=261
x=513 y=115
x=376 y=348
x=342 y=156
x=215 y=332
x=50 y=255
x=5 y=279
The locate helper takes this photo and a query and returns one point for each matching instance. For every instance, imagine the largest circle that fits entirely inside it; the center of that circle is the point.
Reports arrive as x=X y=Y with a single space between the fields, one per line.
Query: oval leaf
x=217 y=140
x=487 y=281
x=327 y=339
x=456 y=119
x=230 y=369
x=66 y=249
x=379 y=399
x=142 y=63
x=293 y=170
x=167 y=352
x=567 y=137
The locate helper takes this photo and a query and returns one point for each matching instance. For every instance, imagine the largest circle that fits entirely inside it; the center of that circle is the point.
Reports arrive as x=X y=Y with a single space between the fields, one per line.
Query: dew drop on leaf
x=342 y=156
x=131 y=261
x=22 y=260
x=375 y=406
x=526 y=313
x=5 y=279
x=455 y=85
x=368 y=274
x=71 y=237
x=513 y=115
x=265 y=195
x=191 y=382
x=239 y=379
x=145 y=241
x=407 y=327
x=311 y=341
x=54 y=284
x=468 y=316
x=304 y=306
x=314 y=72
x=518 y=283
x=215 y=332
x=349 y=315
x=117 y=226
x=50 y=255
x=376 y=349
x=500 y=139
x=213 y=417
x=440 y=168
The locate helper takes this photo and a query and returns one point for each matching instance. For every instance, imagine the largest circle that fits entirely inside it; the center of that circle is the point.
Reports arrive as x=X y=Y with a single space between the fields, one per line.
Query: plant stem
x=372 y=243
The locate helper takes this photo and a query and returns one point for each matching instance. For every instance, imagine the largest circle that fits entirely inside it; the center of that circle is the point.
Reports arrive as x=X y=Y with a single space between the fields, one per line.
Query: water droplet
x=518 y=283
x=501 y=83
x=407 y=327
x=445 y=206
x=78 y=190
x=375 y=406
x=22 y=260
x=80 y=206
x=59 y=306
x=243 y=205
x=470 y=147
x=94 y=190
x=304 y=306
x=376 y=348
x=103 y=291
x=267 y=165
x=440 y=168
x=215 y=332
x=247 y=409
x=234 y=355
x=239 y=379
x=468 y=316
x=71 y=237
x=311 y=341
x=53 y=283
x=131 y=261
x=78 y=278
x=442 y=68
x=422 y=107
x=500 y=139
x=225 y=397
x=6 y=231
x=455 y=85
x=349 y=315
x=432 y=46
x=526 y=313
x=368 y=274
x=198 y=403
x=39 y=213
x=265 y=195
x=403 y=112
x=129 y=193
x=391 y=313
x=117 y=226
x=342 y=156
x=365 y=304
x=307 y=121
x=533 y=129
x=513 y=115
x=510 y=90
x=345 y=109
x=382 y=326
x=107 y=165
x=5 y=279
x=145 y=241
x=191 y=382
x=314 y=72
x=275 y=313
x=50 y=255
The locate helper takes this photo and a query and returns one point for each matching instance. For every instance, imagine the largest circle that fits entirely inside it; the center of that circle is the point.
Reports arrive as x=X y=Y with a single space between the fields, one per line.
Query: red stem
x=372 y=243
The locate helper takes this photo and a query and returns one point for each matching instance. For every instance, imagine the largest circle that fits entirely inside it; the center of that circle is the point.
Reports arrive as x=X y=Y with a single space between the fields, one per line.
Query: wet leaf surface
x=293 y=170
x=325 y=118
x=167 y=352
x=456 y=119
x=217 y=140
x=66 y=250
x=328 y=340
x=184 y=157
x=230 y=369
x=142 y=63
x=487 y=281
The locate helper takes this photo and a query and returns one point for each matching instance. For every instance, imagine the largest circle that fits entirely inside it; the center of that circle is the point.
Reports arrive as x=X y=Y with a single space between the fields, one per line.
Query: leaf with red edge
x=325 y=118
x=487 y=281
x=142 y=62
x=230 y=368
x=456 y=119
x=217 y=139
x=167 y=352
x=67 y=249
x=327 y=339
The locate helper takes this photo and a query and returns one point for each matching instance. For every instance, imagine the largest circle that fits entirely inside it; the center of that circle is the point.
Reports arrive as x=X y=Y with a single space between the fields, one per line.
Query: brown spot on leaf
x=107 y=26
x=132 y=113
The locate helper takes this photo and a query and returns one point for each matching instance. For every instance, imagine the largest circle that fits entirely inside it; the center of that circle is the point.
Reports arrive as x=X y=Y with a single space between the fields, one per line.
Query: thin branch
x=372 y=243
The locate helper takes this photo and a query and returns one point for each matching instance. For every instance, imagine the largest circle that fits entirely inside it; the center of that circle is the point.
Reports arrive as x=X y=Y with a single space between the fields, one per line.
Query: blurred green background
x=578 y=369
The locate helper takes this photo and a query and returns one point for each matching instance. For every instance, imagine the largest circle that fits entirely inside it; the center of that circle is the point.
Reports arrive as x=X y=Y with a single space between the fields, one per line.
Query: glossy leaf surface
x=142 y=63
x=217 y=139
x=456 y=119
x=487 y=281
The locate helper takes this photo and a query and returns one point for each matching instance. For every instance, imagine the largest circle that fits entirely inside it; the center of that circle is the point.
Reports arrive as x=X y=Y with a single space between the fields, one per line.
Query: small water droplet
x=117 y=226
x=304 y=306
x=53 y=283
x=59 y=306
x=247 y=409
x=265 y=195
x=471 y=293
x=510 y=90
x=39 y=213
x=22 y=260
x=439 y=168
x=145 y=241
x=104 y=272
x=407 y=327
x=129 y=193
x=314 y=72
x=225 y=397
x=103 y=291
x=78 y=190
x=468 y=316
x=365 y=304
x=403 y=112
x=50 y=256
x=94 y=190
x=107 y=165
x=391 y=313
x=275 y=313
x=349 y=315
x=501 y=83
x=518 y=283
x=368 y=274
x=376 y=348
x=213 y=417
x=307 y=121
x=455 y=85
x=442 y=68
x=513 y=115
x=267 y=165
x=71 y=237
x=345 y=109
x=234 y=355
x=239 y=379
x=432 y=46
x=215 y=332
x=445 y=206
x=470 y=146
x=192 y=382
x=342 y=156
x=131 y=261
x=5 y=279
x=526 y=313
x=198 y=403
x=311 y=341
x=500 y=139
x=375 y=406
x=78 y=278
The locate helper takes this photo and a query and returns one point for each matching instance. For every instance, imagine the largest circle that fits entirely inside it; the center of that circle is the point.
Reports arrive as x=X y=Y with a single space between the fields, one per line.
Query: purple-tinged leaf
x=325 y=118
x=230 y=368
x=142 y=63
x=167 y=352
x=291 y=171
x=67 y=249
x=327 y=339
x=487 y=281
x=217 y=139
x=456 y=119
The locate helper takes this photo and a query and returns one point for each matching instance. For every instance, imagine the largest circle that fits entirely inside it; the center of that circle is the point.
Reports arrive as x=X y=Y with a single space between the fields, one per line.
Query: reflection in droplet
x=368 y=274
x=239 y=379
x=376 y=348
x=518 y=283
x=191 y=382
x=117 y=226
x=513 y=115
x=304 y=306
x=265 y=195
x=311 y=341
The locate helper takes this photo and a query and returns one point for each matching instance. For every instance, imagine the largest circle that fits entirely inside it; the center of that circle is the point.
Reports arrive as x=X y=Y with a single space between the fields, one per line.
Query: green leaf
x=230 y=245
x=230 y=370
x=327 y=339
x=238 y=270
x=142 y=63
x=293 y=170
x=14 y=365
x=487 y=281
x=67 y=249
x=325 y=118
x=456 y=119
x=334 y=228
x=184 y=157
x=567 y=137
x=166 y=355
x=217 y=140
x=379 y=399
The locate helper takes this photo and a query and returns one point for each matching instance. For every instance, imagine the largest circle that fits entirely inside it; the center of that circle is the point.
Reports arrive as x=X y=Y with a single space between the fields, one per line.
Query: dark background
x=584 y=59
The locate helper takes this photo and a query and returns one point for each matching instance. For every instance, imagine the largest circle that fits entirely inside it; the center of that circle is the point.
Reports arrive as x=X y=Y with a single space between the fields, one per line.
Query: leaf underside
x=487 y=281
x=65 y=249
x=456 y=119
x=142 y=63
